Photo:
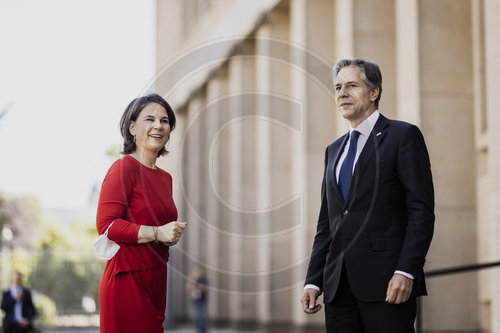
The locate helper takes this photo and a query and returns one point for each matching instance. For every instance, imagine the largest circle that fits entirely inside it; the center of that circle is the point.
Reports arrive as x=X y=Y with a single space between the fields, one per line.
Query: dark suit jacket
x=8 y=304
x=387 y=221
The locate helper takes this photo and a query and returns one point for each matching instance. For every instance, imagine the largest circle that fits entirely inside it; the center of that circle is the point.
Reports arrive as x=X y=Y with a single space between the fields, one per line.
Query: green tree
x=3 y=217
x=67 y=268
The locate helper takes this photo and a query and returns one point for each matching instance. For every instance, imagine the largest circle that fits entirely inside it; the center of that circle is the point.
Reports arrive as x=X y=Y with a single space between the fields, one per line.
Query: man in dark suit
x=18 y=307
x=377 y=214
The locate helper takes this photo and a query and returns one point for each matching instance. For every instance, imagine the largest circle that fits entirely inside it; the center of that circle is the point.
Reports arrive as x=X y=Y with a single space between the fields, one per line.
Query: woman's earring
x=134 y=138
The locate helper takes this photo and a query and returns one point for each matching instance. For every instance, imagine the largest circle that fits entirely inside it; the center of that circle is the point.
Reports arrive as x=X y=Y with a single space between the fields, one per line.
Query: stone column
x=367 y=29
x=408 y=68
x=243 y=64
x=177 y=301
x=193 y=242
x=313 y=28
x=216 y=88
x=492 y=82
x=483 y=176
x=375 y=40
x=298 y=82
x=242 y=265
x=436 y=87
x=263 y=168
x=274 y=167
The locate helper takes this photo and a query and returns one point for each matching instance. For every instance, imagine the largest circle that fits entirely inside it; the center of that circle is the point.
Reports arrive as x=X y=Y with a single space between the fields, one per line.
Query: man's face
x=354 y=101
x=17 y=279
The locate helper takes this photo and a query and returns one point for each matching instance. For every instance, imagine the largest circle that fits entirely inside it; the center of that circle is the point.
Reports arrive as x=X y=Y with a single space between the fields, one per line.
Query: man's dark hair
x=370 y=73
x=132 y=112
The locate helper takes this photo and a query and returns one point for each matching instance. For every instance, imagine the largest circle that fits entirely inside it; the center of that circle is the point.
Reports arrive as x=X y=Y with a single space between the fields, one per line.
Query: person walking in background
x=137 y=211
x=18 y=307
x=377 y=214
x=197 y=289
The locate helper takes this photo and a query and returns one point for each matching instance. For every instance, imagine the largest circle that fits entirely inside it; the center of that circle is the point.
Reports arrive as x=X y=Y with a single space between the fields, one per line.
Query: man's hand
x=309 y=301
x=399 y=289
x=19 y=296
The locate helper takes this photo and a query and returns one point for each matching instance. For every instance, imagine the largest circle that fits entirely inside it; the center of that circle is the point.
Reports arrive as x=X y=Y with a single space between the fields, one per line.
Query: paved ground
x=186 y=328
x=178 y=330
x=181 y=330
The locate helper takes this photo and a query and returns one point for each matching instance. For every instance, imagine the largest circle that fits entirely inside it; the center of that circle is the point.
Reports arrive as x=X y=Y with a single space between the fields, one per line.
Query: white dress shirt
x=365 y=128
x=15 y=292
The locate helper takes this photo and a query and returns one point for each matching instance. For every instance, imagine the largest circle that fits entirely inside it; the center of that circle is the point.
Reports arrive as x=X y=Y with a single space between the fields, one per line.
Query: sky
x=68 y=69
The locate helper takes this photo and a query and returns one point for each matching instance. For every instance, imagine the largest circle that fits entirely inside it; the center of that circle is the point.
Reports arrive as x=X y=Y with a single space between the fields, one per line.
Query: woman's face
x=152 y=128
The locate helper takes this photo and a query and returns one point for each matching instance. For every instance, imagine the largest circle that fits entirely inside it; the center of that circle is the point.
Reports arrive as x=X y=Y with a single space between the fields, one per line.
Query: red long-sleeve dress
x=132 y=293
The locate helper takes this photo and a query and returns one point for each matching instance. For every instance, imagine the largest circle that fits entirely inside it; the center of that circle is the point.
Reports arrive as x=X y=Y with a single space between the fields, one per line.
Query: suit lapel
x=371 y=145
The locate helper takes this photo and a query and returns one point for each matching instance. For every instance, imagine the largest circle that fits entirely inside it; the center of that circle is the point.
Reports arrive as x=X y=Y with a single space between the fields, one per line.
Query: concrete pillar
x=313 y=27
x=492 y=81
x=246 y=126
x=482 y=173
x=278 y=25
x=367 y=29
x=216 y=90
x=436 y=89
x=240 y=80
x=298 y=82
x=193 y=243
x=375 y=40
x=177 y=301
x=263 y=167
x=408 y=65
x=244 y=68
x=273 y=168
x=234 y=195
x=216 y=87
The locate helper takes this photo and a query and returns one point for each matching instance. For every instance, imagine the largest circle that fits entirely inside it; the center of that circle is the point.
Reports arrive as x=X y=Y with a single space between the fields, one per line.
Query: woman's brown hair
x=132 y=112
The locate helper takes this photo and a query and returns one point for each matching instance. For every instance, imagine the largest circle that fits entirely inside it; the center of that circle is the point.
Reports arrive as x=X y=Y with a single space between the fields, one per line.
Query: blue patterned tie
x=345 y=175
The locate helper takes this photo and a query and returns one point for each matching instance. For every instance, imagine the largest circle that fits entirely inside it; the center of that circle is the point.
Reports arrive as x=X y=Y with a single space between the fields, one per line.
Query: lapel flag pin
x=379 y=133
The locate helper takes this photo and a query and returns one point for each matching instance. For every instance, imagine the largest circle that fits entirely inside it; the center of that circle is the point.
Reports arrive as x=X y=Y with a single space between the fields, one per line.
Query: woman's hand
x=170 y=233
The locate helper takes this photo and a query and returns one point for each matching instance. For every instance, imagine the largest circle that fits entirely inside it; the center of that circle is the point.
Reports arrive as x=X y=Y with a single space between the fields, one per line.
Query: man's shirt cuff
x=408 y=275
x=312 y=286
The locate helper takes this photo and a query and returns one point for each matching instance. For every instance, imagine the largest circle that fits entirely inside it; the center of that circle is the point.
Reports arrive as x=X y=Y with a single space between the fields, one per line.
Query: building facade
x=250 y=83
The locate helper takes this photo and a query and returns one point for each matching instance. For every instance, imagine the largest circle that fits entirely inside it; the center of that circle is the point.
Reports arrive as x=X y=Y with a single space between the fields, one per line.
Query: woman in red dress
x=136 y=201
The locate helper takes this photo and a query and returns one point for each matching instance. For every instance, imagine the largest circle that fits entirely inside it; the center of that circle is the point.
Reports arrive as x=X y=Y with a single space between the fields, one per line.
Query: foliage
x=57 y=258
x=23 y=216
x=46 y=309
x=22 y=261
x=113 y=152
x=3 y=216
x=67 y=268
